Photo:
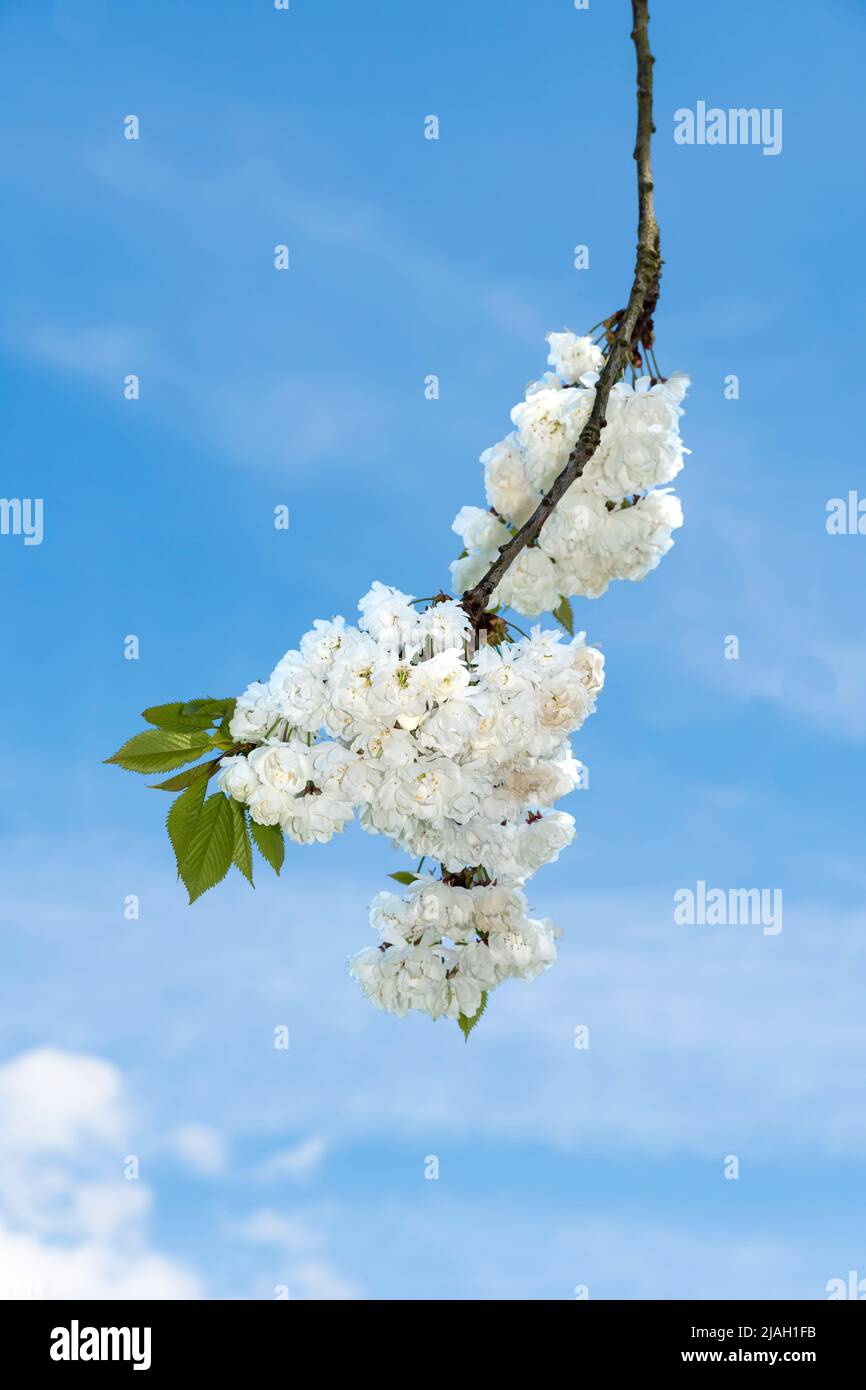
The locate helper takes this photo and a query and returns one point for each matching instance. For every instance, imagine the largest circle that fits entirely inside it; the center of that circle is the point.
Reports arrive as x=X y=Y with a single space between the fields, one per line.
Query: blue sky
x=305 y=1169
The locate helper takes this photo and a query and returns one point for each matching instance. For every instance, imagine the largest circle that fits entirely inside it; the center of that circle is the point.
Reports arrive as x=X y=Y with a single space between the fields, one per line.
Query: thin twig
x=635 y=326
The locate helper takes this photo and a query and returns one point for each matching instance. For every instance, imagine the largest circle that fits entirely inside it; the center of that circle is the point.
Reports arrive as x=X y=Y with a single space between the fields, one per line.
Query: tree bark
x=634 y=326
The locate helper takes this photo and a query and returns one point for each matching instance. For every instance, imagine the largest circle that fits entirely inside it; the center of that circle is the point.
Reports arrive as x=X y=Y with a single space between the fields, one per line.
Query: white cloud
x=317 y=1280
x=34 y=1268
x=697 y=1034
x=102 y=353
x=201 y=1148
x=299 y=1266
x=541 y=1254
x=54 y=1101
x=71 y=1224
x=269 y=406
x=269 y=1227
x=801 y=645
x=299 y=1161
x=264 y=417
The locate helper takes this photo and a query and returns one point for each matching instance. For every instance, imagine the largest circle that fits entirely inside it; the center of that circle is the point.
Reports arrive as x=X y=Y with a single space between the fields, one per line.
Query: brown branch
x=634 y=326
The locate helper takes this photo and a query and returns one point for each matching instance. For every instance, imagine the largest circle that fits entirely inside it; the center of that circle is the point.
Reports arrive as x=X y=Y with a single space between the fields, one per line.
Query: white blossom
x=531 y=584
x=548 y=424
x=570 y=356
x=442 y=948
x=236 y=778
x=480 y=530
x=468 y=569
x=256 y=713
x=506 y=483
x=388 y=615
x=612 y=522
x=459 y=753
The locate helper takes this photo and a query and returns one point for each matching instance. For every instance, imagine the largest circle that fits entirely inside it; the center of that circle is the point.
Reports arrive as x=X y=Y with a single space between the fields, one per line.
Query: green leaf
x=182 y=817
x=171 y=717
x=180 y=716
x=269 y=843
x=223 y=729
x=467 y=1024
x=242 y=853
x=404 y=876
x=223 y=738
x=186 y=779
x=159 y=750
x=206 y=709
x=563 y=614
x=208 y=854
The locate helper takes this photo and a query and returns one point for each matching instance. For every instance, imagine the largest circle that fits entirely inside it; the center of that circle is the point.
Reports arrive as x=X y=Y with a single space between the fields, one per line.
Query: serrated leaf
x=208 y=855
x=171 y=717
x=159 y=750
x=269 y=843
x=404 y=876
x=182 y=817
x=242 y=852
x=205 y=709
x=467 y=1024
x=227 y=719
x=222 y=737
x=563 y=615
x=186 y=779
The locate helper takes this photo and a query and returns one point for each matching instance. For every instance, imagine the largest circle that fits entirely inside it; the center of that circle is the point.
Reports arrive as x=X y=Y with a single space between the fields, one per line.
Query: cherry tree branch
x=634 y=327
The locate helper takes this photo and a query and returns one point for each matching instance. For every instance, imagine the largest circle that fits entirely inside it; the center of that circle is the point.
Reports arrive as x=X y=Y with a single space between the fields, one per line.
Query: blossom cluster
x=456 y=750
x=615 y=521
x=454 y=747
x=442 y=947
